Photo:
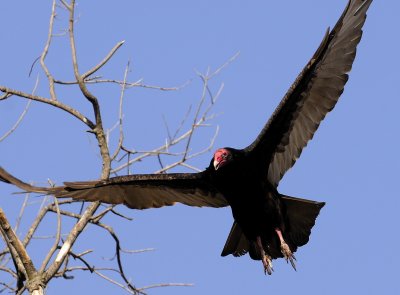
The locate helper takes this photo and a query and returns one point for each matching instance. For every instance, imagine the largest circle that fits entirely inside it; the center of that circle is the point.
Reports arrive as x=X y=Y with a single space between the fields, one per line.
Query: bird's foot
x=267 y=263
x=288 y=254
x=266 y=259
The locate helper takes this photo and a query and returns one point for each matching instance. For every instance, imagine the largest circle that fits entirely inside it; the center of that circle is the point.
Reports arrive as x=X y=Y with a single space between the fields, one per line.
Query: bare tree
x=21 y=274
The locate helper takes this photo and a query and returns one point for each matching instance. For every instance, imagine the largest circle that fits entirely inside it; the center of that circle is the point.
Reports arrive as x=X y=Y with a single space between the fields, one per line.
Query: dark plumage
x=267 y=224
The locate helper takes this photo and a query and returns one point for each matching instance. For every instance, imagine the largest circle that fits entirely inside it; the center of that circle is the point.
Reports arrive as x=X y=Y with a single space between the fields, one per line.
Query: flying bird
x=267 y=224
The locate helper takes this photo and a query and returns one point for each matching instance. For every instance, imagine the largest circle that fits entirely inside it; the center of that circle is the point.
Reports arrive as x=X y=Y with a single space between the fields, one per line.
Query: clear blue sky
x=352 y=162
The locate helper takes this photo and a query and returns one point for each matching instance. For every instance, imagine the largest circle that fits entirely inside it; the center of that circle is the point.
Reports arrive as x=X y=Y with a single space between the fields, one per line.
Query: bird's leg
x=266 y=260
x=285 y=249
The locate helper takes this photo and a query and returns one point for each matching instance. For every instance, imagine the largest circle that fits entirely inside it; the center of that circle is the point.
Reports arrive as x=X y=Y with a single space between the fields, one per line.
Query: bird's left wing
x=313 y=94
x=139 y=191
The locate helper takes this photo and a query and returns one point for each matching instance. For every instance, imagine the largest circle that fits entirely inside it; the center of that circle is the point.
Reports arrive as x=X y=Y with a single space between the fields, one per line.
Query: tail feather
x=300 y=219
x=236 y=244
x=300 y=216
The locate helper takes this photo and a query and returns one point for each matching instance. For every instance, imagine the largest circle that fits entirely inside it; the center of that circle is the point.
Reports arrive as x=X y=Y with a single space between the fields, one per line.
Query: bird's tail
x=300 y=216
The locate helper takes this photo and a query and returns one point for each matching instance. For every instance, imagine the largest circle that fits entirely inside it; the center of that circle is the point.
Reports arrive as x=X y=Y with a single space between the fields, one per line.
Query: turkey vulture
x=267 y=224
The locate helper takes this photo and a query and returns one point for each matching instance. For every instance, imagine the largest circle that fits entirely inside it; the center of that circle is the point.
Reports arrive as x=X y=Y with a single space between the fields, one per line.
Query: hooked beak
x=219 y=162
x=216 y=164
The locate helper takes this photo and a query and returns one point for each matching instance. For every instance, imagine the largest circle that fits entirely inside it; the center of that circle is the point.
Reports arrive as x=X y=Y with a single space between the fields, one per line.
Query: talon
x=293 y=264
x=267 y=263
x=266 y=259
x=288 y=255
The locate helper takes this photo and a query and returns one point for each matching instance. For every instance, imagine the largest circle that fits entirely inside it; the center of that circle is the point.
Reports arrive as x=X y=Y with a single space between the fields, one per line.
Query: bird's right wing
x=142 y=191
x=139 y=191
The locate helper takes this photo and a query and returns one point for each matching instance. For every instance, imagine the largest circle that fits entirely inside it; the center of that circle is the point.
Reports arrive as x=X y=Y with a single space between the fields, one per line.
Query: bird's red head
x=221 y=158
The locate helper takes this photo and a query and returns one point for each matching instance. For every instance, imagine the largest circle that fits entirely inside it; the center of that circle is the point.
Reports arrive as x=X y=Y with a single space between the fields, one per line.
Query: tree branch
x=121 y=131
x=98 y=128
x=73 y=235
x=16 y=244
x=57 y=239
x=104 y=61
x=20 y=118
x=46 y=50
x=54 y=103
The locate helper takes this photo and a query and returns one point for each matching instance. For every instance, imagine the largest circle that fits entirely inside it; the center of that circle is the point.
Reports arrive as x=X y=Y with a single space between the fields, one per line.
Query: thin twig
x=6 y=269
x=138 y=251
x=7 y=287
x=166 y=285
x=21 y=117
x=126 y=288
x=57 y=239
x=79 y=257
x=227 y=63
x=104 y=61
x=121 y=215
x=46 y=50
x=5 y=96
x=21 y=212
x=195 y=120
x=54 y=103
x=121 y=99
x=139 y=83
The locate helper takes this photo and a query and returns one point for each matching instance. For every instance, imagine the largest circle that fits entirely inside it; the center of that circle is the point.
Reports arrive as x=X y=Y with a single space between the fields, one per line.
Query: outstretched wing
x=8 y=178
x=142 y=191
x=313 y=94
